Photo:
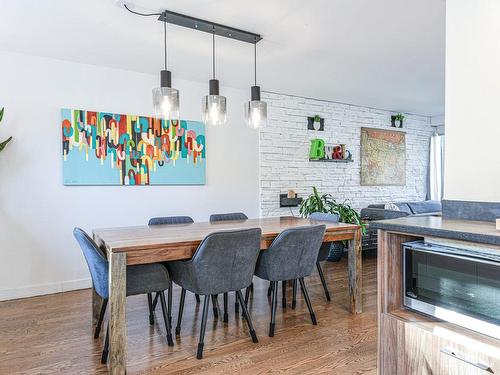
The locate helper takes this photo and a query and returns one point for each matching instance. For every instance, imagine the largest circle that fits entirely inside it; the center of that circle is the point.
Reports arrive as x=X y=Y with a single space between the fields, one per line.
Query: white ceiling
x=380 y=53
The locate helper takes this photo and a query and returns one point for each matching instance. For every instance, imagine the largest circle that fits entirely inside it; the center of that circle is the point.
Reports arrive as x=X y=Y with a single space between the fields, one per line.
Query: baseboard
x=42 y=289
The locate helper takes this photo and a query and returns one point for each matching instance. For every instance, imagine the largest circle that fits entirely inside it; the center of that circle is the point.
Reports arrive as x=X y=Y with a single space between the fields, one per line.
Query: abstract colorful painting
x=383 y=157
x=100 y=148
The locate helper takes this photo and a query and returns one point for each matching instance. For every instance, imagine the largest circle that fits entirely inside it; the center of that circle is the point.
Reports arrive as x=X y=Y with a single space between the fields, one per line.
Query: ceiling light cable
x=141 y=14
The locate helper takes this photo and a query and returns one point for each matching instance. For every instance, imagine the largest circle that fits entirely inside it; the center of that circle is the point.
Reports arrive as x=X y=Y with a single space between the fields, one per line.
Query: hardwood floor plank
x=53 y=334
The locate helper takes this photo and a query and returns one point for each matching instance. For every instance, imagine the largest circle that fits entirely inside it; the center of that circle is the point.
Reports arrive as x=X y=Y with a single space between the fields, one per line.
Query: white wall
x=38 y=213
x=284 y=153
x=472 y=170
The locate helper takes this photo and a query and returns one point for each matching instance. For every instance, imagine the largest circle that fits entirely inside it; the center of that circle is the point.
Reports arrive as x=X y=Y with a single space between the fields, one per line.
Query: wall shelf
x=333 y=160
x=289 y=202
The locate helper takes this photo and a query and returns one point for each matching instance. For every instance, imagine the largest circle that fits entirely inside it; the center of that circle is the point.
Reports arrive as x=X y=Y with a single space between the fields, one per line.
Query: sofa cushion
x=376 y=205
x=403 y=207
x=380 y=214
x=425 y=207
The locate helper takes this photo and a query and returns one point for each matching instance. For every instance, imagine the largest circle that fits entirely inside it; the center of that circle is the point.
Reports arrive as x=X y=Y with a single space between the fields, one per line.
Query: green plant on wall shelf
x=399 y=117
x=317 y=118
x=4 y=143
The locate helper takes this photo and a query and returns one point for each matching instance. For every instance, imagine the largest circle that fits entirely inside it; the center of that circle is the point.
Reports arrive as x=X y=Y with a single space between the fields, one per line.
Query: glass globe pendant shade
x=166 y=99
x=166 y=103
x=214 y=110
x=256 y=110
x=256 y=114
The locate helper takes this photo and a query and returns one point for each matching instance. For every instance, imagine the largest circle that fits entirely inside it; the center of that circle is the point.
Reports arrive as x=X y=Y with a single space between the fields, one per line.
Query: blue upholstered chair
x=229 y=217
x=224 y=262
x=141 y=279
x=167 y=220
x=291 y=256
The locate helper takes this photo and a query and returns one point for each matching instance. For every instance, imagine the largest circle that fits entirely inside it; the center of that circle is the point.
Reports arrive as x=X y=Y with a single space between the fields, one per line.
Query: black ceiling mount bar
x=209 y=27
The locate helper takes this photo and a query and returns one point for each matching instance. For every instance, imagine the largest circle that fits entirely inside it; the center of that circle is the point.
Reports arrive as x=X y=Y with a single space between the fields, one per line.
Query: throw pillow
x=391 y=206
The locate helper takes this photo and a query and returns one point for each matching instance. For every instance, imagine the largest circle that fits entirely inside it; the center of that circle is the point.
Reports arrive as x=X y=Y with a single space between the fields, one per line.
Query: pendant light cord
x=165 y=38
x=255 y=61
x=213 y=52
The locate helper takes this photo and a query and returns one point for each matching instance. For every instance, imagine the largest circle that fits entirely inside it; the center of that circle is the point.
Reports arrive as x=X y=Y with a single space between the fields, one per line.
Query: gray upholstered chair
x=167 y=220
x=322 y=255
x=228 y=217
x=291 y=256
x=141 y=279
x=224 y=262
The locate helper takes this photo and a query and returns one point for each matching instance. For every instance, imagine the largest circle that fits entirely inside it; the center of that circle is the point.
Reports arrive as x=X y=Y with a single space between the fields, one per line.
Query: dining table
x=162 y=243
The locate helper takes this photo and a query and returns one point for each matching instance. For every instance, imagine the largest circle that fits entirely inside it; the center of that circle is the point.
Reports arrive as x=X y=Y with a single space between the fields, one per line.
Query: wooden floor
x=52 y=334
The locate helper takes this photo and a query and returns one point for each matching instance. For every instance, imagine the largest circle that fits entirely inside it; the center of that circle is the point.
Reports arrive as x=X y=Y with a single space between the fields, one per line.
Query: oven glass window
x=469 y=286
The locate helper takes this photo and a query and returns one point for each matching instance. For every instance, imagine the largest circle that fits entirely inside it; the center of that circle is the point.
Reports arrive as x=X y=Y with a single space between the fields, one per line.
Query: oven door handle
x=479 y=365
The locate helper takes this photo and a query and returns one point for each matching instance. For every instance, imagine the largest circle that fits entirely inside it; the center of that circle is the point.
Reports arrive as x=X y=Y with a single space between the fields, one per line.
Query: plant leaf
x=4 y=143
x=1 y=113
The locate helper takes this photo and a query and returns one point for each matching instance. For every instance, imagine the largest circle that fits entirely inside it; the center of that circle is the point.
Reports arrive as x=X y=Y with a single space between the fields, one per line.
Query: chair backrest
x=225 y=261
x=96 y=261
x=166 y=220
x=325 y=246
x=228 y=216
x=292 y=254
x=321 y=216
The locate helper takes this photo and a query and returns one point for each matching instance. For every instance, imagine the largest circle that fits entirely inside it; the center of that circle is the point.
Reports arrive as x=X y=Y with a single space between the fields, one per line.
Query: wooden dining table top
x=144 y=238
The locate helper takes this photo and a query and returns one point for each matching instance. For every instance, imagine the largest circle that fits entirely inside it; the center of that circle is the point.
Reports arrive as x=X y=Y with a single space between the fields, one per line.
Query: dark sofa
x=379 y=212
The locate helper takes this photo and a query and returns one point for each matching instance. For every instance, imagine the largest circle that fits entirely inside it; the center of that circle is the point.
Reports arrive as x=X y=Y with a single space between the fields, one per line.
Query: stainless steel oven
x=454 y=284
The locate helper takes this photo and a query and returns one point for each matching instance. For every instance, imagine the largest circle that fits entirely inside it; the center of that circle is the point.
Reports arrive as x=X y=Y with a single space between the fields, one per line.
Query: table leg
x=117 y=309
x=355 y=273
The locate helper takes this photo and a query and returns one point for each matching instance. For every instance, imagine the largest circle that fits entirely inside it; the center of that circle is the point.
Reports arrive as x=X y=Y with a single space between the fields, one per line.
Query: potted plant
x=397 y=120
x=4 y=143
x=317 y=122
x=317 y=202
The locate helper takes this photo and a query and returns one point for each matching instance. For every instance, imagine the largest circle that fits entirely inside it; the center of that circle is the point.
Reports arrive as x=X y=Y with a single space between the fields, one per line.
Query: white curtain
x=436 y=168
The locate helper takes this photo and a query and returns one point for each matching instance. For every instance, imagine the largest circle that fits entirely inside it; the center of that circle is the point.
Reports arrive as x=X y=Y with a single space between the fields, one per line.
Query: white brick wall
x=284 y=153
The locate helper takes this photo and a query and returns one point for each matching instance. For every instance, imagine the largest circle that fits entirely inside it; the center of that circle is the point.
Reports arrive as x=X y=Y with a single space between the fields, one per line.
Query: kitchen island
x=412 y=342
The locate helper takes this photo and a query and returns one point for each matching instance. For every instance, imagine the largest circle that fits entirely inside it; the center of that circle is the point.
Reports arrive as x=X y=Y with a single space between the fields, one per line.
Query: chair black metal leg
x=247 y=316
x=169 y=303
x=197 y=298
x=181 y=311
x=323 y=281
x=155 y=300
x=236 y=304
x=270 y=289
x=308 y=301
x=165 y=319
x=199 y=354
x=215 y=303
x=226 y=319
x=294 y=294
x=274 y=305
x=247 y=296
x=104 y=355
x=101 y=317
x=150 y=305
x=251 y=287
x=283 y=297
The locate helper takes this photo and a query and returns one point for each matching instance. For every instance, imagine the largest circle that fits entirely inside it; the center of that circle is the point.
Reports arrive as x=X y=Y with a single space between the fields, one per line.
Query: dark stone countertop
x=463 y=230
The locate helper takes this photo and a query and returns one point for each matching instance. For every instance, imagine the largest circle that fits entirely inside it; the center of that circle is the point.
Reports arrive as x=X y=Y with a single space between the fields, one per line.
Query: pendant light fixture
x=166 y=98
x=214 y=108
x=255 y=109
